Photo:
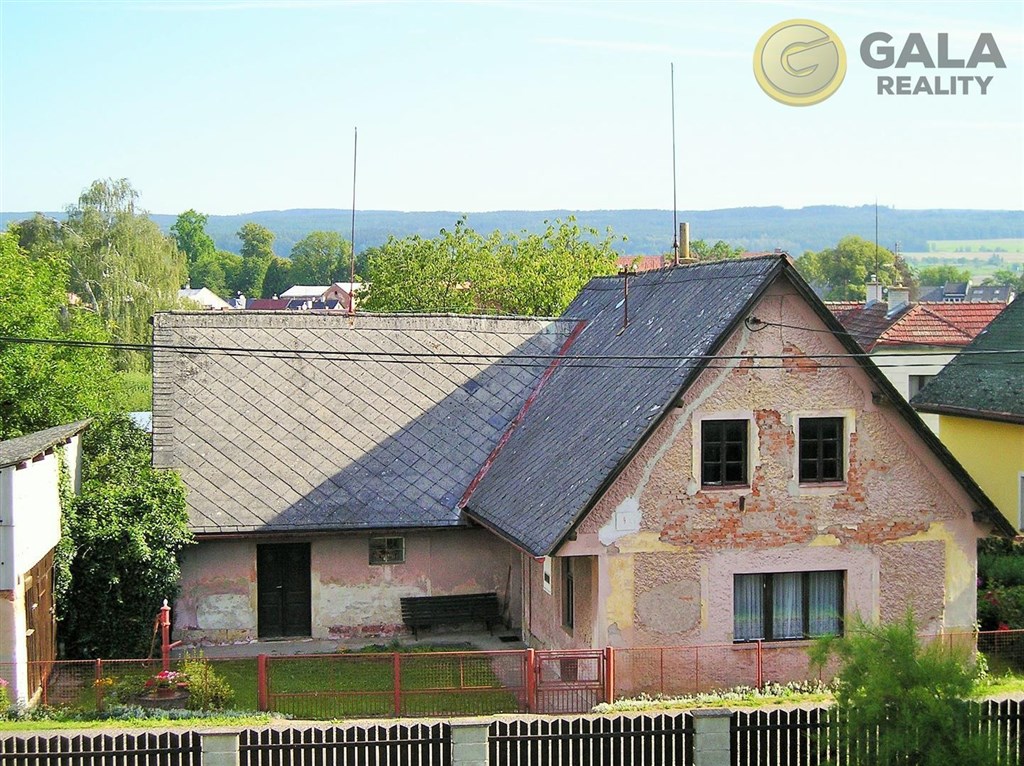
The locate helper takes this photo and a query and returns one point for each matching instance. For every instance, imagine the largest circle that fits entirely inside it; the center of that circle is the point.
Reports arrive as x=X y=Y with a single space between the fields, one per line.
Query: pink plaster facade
x=662 y=552
x=350 y=598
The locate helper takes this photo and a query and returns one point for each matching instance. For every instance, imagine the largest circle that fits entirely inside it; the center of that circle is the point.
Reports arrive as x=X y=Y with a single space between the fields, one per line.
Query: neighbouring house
x=638 y=263
x=979 y=401
x=337 y=295
x=959 y=292
x=204 y=297
x=697 y=471
x=29 y=532
x=911 y=342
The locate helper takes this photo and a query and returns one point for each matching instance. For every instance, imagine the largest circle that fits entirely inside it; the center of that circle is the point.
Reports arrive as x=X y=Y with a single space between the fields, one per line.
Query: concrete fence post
x=469 y=743
x=220 y=748
x=712 y=737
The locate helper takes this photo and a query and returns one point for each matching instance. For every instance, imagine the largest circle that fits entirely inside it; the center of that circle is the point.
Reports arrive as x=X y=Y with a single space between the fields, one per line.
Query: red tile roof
x=917 y=324
x=644 y=262
x=940 y=324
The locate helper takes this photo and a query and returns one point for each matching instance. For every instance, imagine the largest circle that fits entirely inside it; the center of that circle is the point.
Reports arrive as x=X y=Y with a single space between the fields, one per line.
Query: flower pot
x=164 y=699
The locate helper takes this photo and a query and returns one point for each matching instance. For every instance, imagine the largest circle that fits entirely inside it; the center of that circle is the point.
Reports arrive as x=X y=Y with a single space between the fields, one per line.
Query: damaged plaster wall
x=666 y=550
x=350 y=598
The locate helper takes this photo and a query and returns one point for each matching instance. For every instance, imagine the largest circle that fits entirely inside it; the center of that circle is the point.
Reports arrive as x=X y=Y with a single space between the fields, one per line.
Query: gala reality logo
x=802 y=62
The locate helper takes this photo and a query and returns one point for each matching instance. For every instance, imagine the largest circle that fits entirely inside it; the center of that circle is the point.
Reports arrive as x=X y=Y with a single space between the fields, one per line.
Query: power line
x=475 y=359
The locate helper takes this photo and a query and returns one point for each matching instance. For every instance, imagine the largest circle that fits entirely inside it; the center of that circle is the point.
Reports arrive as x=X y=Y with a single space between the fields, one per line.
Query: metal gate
x=570 y=681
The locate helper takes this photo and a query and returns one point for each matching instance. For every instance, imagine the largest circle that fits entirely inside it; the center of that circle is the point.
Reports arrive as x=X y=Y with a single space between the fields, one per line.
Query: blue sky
x=230 y=107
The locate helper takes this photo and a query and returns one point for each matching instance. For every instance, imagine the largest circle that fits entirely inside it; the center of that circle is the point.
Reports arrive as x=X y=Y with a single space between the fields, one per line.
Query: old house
x=708 y=462
x=979 y=402
x=29 y=532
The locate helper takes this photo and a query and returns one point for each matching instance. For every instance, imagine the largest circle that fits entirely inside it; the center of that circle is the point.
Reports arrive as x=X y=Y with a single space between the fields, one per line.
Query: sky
x=232 y=107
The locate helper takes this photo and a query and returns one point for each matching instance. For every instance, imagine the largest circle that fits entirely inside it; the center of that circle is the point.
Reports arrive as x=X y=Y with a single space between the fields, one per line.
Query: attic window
x=387 y=550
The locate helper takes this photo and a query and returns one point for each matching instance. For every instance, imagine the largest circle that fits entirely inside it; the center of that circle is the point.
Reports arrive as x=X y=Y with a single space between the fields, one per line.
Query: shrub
x=208 y=690
x=5 y=700
x=901 y=701
x=1001 y=569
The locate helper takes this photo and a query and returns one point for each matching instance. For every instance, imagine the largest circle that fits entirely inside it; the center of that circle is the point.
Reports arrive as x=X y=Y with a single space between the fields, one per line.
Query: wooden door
x=283 y=590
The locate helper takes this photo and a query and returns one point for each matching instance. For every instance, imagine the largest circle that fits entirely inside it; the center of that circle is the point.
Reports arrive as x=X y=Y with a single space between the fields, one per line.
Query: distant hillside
x=647 y=231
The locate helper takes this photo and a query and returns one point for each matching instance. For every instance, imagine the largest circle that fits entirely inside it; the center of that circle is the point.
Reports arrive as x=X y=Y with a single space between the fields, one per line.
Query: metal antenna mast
x=352 y=259
x=675 y=204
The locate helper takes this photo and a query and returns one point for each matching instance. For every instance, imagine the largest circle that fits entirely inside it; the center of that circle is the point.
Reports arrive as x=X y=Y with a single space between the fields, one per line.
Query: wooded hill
x=647 y=231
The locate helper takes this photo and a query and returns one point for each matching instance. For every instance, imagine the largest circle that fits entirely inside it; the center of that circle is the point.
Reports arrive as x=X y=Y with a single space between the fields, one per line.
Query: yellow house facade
x=979 y=399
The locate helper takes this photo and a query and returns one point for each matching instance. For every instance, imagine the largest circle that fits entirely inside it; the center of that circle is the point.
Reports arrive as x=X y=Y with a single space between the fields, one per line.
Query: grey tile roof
x=274 y=442
x=21 y=448
x=987 y=386
x=589 y=417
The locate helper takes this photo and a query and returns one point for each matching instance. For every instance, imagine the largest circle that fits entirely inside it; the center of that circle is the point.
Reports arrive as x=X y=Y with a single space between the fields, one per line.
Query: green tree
x=842 y=271
x=43 y=385
x=190 y=233
x=540 y=274
x=1007 y=277
x=902 y=701
x=427 y=275
x=220 y=272
x=118 y=558
x=279 y=277
x=121 y=263
x=720 y=251
x=321 y=258
x=940 y=275
x=463 y=271
x=257 y=255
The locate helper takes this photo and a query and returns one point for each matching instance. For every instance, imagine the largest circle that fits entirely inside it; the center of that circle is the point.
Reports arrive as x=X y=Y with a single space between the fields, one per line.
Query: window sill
x=725 y=487
x=779 y=643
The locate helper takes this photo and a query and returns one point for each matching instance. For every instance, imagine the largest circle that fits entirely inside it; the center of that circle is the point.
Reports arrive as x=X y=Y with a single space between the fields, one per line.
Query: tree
x=257 y=255
x=118 y=557
x=121 y=263
x=940 y=275
x=1007 y=277
x=279 y=277
x=842 y=271
x=719 y=251
x=900 y=701
x=462 y=271
x=321 y=258
x=220 y=272
x=540 y=274
x=190 y=233
x=43 y=385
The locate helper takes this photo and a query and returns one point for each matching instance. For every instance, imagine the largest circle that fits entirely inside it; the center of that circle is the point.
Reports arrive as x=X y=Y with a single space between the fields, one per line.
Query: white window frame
x=546 y=576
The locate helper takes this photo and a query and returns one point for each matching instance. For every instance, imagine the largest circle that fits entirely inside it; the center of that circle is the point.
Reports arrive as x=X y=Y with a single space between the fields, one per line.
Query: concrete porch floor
x=482 y=641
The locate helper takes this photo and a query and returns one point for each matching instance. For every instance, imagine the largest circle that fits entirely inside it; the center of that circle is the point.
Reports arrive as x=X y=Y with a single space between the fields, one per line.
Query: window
x=785 y=606
x=387 y=550
x=547 y=574
x=821 y=450
x=917 y=382
x=723 y=448
x=568 y=594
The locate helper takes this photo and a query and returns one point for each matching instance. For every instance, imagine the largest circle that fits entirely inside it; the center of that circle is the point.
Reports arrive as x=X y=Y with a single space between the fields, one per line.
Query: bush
x=5 y=700
x=901 y=701
x=208 y=690
x=1001 y=607
x=1001 y=569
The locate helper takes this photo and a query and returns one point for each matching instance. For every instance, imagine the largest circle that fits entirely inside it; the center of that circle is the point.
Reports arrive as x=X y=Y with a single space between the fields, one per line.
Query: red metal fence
x=472 y=683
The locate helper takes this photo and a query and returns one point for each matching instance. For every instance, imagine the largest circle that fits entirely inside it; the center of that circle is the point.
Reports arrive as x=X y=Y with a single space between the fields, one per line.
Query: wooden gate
x=570 y=681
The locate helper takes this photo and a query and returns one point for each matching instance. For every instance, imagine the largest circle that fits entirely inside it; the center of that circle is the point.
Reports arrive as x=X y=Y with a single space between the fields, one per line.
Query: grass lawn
x=443 y=681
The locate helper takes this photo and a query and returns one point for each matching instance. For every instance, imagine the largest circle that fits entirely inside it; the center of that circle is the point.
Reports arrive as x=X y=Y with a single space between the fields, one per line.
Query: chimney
x=899 y=296
x=874 y=290
x=684 y=245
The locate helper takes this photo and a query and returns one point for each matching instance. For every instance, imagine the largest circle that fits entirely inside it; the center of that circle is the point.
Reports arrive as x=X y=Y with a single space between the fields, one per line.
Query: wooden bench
x=425 y=611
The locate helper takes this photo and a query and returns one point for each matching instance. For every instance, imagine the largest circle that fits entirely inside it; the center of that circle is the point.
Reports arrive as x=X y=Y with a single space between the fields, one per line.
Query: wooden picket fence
x=166 y=748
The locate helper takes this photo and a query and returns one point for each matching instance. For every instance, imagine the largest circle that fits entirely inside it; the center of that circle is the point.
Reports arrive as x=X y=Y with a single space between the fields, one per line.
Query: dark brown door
x=282 y=588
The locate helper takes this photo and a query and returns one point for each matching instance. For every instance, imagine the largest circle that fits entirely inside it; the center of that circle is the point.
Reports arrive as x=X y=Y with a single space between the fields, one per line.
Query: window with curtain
x=785 y=606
